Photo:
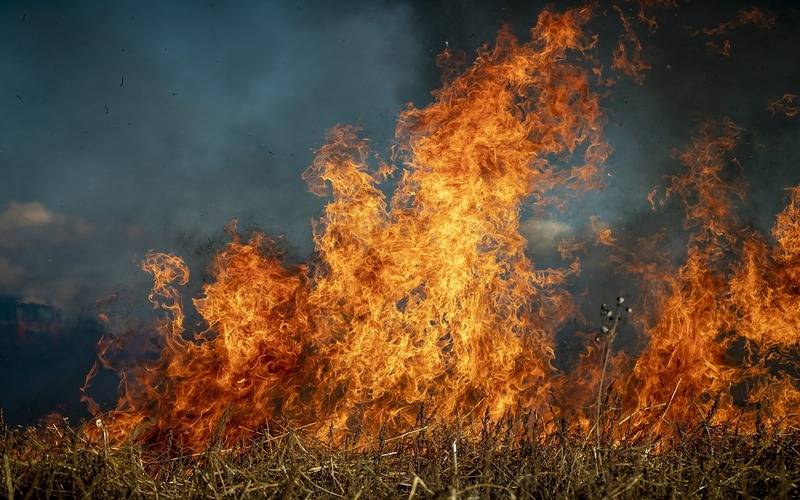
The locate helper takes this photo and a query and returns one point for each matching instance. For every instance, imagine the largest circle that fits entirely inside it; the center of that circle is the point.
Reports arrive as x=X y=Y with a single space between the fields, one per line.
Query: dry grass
x=493 y=460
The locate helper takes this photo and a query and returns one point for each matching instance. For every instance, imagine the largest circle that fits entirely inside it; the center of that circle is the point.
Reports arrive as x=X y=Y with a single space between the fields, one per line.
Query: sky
x=129 y=126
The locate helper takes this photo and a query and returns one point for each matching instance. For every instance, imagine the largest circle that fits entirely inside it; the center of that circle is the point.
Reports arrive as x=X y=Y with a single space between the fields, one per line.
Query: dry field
x=493 y=460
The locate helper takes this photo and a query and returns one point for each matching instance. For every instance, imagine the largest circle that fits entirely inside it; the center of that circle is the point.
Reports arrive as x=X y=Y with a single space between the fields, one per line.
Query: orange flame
x=645 y=6
x=716 y=325
x=753 y=16
x=429 y=301
x=627 y=56
x=786 y=105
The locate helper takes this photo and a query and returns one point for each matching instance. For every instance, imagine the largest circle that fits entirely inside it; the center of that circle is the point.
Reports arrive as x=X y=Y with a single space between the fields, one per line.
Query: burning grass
x=490 y=459
x=429 y=299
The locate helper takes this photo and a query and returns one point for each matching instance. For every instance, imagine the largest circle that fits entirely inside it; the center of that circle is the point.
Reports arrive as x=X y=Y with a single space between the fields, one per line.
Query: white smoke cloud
x=32 y=223
x=19 y=215
x=26 y=230
x=543 y=235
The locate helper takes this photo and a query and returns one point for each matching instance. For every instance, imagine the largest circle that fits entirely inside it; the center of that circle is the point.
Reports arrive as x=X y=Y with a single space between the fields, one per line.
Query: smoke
x=158 y=123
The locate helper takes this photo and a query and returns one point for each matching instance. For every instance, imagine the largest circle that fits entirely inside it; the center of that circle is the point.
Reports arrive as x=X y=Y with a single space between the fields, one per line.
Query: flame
x=729 y=312
x=424 y=301
x=649 y=19
x=753 y=16
x=786 y=105
x=627 y=54
x=604 y=234
x=428 y=302
x=627 y=57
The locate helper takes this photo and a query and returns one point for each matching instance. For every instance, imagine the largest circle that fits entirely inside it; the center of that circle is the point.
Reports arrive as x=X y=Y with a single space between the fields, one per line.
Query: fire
x=753 y=16
x=424 y=301
x=627 y=56
x=728 y=314
x=786 y=105
x=427 y=302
